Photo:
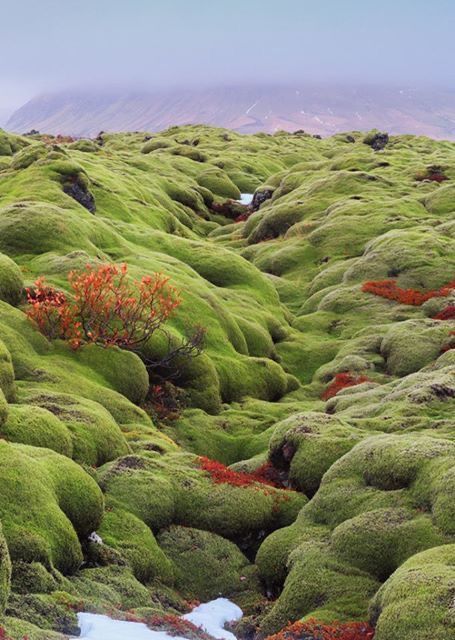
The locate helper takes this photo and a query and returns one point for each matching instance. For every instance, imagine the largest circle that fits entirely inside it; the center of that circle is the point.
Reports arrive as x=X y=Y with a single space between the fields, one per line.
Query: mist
x=145 y=44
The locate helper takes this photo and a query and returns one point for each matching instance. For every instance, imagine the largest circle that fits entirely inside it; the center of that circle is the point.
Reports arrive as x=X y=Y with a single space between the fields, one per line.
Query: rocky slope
x=341 y=392
x=323 y=110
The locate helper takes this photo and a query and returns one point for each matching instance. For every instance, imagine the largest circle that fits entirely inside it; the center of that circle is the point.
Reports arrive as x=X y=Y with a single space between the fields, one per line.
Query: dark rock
x=81 y=194
x=350 y=139
x=260 y=197
x=378 y=141
x=317 y=136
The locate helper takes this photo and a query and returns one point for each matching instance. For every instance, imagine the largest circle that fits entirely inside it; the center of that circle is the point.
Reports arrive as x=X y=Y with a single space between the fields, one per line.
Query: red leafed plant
x=446 y=314
x=390 y=290
x=342 y=381
x=220 y=474
x=106 y=307
x=314 y=630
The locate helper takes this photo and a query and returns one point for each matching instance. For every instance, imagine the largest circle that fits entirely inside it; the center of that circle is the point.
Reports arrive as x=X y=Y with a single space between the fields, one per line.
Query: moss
x=87 y=146
x=206 y=565
x=17 y=629
x=32 y=577
x=219 y=183
x=6 y=374
x=43 y=611
x=416 y=602
x=47 y=501
x=320 y=586
x=123 y=370
x=38 y=427
x=411 y=345
x=379 y=541
x=5 y=572
x=306 y=445
x=127 y=534
x=11 y=282
x=110 y=586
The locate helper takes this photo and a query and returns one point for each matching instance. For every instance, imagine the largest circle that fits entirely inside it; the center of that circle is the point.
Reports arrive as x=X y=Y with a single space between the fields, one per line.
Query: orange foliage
x=314 y=630
x=106 y=307
x=342 y=381
x=389 y=289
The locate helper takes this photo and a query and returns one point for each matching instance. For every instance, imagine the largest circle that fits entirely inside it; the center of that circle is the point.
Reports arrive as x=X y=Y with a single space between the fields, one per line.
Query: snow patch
x=211 y=617
x=246 y=198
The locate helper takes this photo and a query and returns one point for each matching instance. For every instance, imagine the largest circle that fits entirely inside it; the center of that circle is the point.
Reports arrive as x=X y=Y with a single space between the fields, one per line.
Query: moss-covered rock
x=11 y=281
x=47 y=503
x=5 y=572
x=416 y=602
x=206 y=565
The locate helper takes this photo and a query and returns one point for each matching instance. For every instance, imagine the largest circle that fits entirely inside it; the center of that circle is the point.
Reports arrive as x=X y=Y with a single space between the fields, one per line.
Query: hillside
x=323 y=110
x=326 y=383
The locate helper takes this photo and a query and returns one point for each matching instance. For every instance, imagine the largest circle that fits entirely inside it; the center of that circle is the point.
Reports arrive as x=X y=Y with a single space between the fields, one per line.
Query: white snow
x=211 y=616
x=246 y=198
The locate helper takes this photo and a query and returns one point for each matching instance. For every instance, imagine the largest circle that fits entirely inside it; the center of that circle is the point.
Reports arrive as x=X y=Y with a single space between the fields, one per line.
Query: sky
x=49 y=45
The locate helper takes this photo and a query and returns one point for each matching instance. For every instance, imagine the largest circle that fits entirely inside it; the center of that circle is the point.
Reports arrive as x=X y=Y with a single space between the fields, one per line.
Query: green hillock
x=341 y=399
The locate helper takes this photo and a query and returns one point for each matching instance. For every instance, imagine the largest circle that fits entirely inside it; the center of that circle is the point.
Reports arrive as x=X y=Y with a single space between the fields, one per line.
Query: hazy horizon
x=143 y=45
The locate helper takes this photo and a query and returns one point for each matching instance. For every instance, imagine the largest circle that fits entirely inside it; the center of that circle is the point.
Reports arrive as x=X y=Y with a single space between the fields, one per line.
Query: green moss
x=38 y=427
x=206 y=565
x=5 y=572
x=43 y=611
x=11 y=282
x=416 y=602
x=219 y=183
x=127 y=534
x=47 y=501
x=6 y=373
x=306 y=445
x=32 y=577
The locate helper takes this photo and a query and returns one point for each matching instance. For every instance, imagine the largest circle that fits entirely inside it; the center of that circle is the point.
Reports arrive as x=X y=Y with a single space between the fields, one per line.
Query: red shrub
x=314 y=630
x=389 y=289
x=446 y=314
x=107 y=308
x=220 y=474
x=342 y=381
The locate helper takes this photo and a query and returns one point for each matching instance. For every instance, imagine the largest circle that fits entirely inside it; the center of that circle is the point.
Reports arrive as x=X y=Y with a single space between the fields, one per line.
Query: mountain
x=323 y=110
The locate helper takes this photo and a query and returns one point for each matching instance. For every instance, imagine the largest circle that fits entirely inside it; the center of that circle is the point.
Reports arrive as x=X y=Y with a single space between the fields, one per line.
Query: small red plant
x=342 y=381
x=106 y=307
x=314 y=630
x=390 y=290
x=220 y=474
x=446 y=314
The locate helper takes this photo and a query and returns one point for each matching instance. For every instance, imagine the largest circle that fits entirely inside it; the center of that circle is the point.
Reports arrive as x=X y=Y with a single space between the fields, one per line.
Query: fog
x=53 y=45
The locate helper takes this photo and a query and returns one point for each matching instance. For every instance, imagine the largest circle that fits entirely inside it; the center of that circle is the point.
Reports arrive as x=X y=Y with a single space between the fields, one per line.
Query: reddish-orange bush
x=106 y=307
x=389 y=289
x=342 y=381
x=220 y=474
x=314 y=630
x=446 y=314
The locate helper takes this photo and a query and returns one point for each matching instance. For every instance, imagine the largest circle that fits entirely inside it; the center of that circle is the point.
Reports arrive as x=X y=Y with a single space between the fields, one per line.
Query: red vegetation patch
x=446 y=314
x=389 y=289
x=106 y=307
x=220 y=474
x=314 y=630
x=342 y=381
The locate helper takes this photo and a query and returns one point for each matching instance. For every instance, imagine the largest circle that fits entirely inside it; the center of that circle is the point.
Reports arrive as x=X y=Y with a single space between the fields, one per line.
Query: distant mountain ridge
x=319 y=110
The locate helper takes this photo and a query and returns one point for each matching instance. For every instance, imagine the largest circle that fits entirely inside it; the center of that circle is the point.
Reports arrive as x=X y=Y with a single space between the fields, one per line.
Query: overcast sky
x=54 y=44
